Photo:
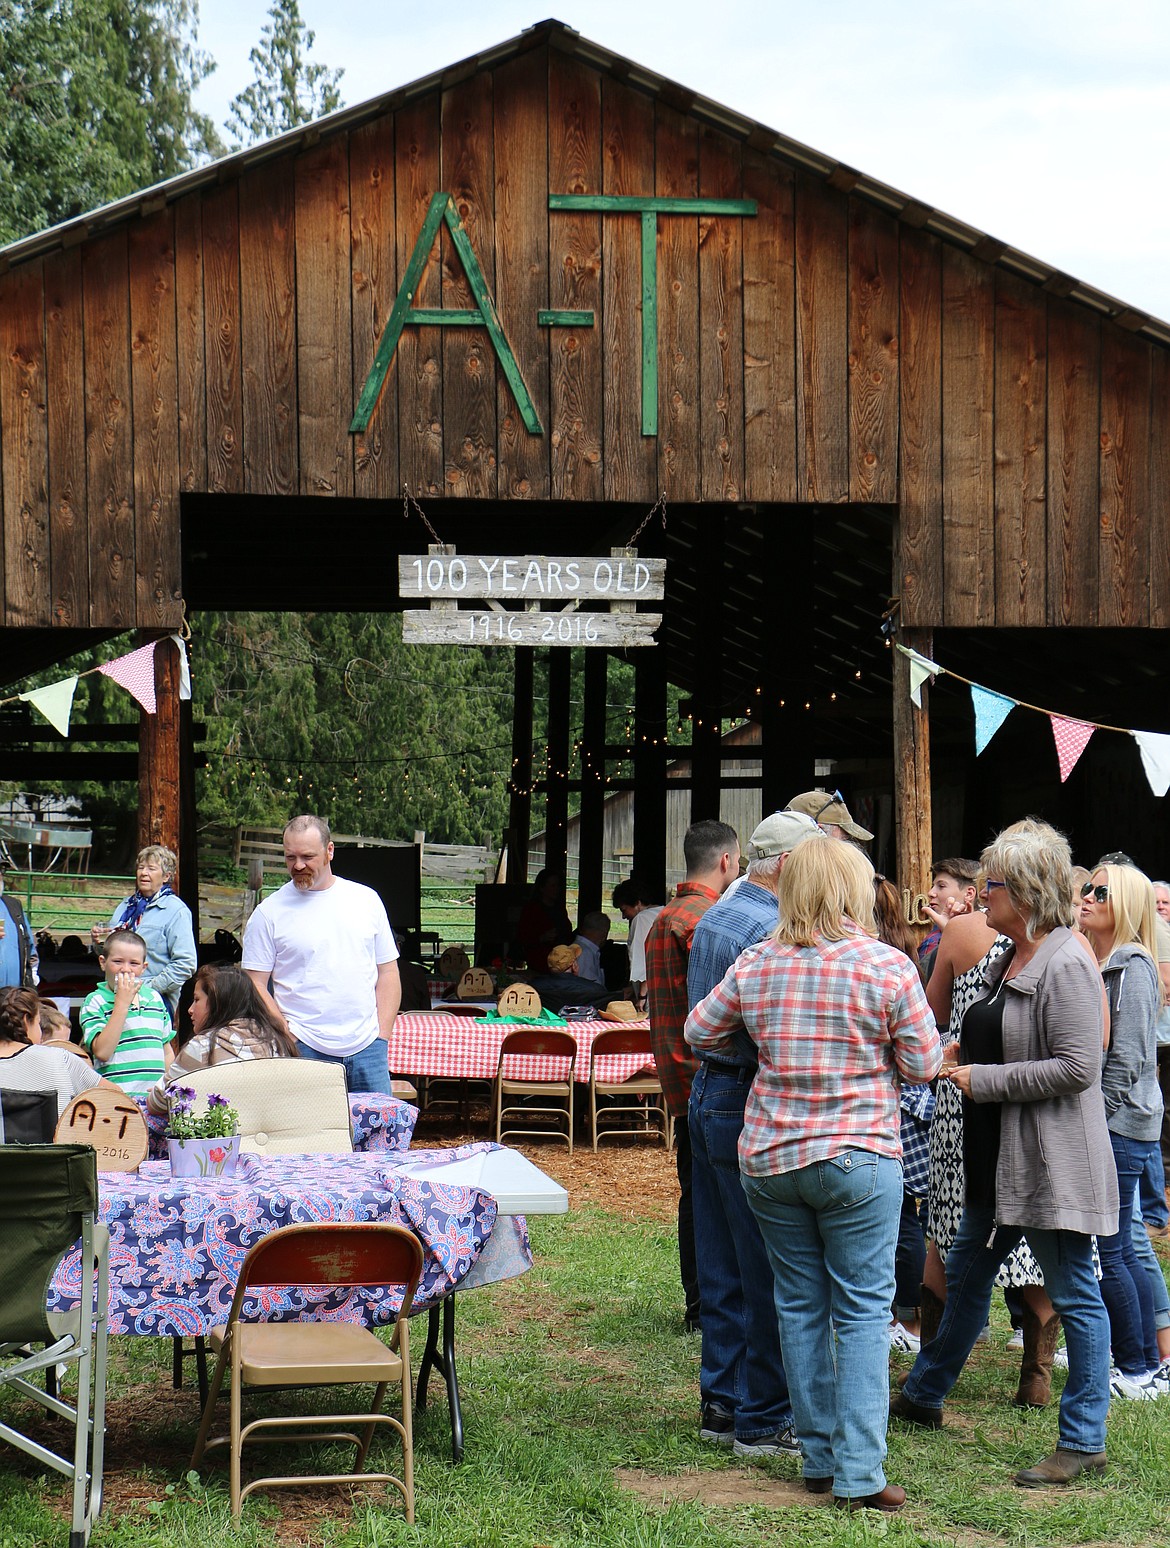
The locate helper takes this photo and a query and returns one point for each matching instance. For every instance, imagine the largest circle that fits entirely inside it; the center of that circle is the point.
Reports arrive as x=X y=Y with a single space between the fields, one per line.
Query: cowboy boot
x=930 y=1313
x=1035 y=1389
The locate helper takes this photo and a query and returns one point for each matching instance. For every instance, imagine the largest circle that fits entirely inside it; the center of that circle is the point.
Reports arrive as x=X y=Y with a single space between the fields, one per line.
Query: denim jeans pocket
x=849 y=1178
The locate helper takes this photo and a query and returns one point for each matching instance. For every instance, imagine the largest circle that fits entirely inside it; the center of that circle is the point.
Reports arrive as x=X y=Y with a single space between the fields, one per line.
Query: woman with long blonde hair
x=1118 y=911
x=839 y=1018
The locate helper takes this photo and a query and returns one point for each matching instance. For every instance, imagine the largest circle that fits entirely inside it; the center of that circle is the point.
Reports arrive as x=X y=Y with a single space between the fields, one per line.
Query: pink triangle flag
x=135 y=673
x=1071 y=737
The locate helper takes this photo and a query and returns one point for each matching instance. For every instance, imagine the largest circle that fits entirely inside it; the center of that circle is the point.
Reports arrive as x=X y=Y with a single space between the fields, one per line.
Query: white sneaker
x=903 y=1340
x=1157 y=1383
x=1130 y=1388
x=1017 y=1339
x=1060 y=1358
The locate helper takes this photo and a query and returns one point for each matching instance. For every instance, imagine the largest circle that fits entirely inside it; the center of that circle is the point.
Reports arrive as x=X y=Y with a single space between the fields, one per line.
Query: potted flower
x=205 y=1144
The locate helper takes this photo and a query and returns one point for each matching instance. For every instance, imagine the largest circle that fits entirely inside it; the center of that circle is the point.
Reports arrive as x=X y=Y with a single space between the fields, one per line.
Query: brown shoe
x=905 y=1408
x=888 y=1499
x=1035 y=1389
x=817 y=1485
x=1157 y=1233
x=1061 y=1468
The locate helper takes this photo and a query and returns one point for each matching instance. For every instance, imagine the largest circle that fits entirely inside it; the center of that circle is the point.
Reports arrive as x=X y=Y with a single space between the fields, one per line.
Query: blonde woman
x=839 y=1019
x=1036 y=1156
x=162 y=919
x=1118 y=912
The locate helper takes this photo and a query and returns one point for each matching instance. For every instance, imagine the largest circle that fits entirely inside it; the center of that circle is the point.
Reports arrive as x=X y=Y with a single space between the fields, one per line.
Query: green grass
x=576 y=1370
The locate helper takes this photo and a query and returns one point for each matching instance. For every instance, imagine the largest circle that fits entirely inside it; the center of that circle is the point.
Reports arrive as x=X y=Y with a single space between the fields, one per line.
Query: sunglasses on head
x=836 y=799
x=1100 y=893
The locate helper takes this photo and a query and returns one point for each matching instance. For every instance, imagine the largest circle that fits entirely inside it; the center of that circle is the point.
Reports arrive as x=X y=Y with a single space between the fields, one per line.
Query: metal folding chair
x=518 y=1100
x=48 y=1199
x=260 y=1354
x=639 y=1099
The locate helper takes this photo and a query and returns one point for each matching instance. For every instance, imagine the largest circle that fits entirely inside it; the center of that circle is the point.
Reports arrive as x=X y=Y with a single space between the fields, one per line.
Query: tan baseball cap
x=829 y=811
x=780 y=833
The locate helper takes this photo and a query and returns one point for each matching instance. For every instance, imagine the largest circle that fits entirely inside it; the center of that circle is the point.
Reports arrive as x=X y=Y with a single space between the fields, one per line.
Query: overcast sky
x=1043 y=122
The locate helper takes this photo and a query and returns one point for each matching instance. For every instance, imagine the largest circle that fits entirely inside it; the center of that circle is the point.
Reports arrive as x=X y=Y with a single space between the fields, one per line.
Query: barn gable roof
x=556 y=34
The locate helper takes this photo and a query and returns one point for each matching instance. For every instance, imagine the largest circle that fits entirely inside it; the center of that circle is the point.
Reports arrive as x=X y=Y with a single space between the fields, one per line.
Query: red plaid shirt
x=837 y=1025
x=668 y=951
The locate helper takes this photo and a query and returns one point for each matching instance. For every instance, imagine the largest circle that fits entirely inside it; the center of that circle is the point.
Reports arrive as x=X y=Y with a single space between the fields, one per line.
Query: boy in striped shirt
x=124 y=1023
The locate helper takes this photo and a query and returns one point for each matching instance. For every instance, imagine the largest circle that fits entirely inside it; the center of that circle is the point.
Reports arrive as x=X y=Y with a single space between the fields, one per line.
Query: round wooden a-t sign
x=106 y=1118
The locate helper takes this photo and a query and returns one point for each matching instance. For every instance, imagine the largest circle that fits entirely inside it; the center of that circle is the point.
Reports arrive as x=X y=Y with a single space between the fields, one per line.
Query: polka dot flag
x=135 y=673
x=1071 y=737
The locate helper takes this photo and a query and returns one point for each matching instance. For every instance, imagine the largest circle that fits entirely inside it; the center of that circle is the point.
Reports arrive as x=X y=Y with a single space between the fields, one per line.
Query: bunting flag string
x=1071 y=736
x=133 y=671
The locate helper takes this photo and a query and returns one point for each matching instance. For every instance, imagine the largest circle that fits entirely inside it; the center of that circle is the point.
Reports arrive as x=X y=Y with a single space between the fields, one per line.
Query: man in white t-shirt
x=328 y=948
x=639 y=913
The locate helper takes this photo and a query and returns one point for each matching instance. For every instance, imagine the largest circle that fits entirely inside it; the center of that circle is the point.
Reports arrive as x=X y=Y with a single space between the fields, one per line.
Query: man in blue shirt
x=742 y=1385
x=18 y=953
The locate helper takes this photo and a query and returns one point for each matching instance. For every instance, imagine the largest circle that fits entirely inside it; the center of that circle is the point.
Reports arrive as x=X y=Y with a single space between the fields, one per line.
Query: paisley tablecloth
x=176 y=1244
x=379 y=1123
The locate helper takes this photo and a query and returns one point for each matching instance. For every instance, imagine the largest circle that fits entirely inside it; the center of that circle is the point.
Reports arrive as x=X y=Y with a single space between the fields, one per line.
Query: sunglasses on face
x=989 y=886
x=1100 y=894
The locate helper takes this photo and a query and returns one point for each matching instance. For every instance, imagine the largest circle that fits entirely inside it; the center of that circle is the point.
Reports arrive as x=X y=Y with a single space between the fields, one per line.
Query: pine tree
x=288 y=89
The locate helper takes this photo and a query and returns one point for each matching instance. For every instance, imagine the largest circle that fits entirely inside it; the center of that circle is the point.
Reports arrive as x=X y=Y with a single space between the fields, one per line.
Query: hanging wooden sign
x=537 y=585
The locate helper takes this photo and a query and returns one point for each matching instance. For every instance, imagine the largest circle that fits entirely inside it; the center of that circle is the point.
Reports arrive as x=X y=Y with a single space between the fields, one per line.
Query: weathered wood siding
x=821 y=352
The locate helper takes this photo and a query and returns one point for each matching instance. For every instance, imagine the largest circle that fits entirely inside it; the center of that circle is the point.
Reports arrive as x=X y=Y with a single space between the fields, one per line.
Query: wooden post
x=649 y=864
x=590 y=888
x=912 y=769
x=556 y=796
x=707 y=700
x=158 y=756
x=520 y=783
x=188 y=883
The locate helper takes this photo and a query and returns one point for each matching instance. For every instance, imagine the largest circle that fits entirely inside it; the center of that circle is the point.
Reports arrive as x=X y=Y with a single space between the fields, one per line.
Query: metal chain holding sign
x=407 y=501
x=658 y=506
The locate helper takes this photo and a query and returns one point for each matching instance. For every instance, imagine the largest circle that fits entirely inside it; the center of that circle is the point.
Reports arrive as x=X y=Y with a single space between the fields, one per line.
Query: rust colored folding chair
x=258 y=1354
x=634 y=1106
x=551 y=1100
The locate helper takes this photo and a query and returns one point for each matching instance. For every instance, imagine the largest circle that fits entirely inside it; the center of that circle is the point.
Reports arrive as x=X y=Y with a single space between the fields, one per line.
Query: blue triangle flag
x=991 y=710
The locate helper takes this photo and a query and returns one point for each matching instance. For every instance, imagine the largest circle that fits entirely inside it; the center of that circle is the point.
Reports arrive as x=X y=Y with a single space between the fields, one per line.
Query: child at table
x=124 y=1023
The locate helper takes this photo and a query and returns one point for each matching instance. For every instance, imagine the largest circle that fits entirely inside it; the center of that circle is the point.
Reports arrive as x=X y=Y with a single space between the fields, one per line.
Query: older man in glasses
x=830 y=813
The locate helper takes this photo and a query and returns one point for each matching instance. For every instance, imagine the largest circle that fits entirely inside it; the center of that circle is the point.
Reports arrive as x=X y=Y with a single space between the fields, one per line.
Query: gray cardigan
x=1055 y=1167
x=1129 y=1079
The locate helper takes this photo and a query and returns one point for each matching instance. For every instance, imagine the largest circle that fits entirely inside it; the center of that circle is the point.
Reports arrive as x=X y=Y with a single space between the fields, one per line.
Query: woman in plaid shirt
x=839 y=1020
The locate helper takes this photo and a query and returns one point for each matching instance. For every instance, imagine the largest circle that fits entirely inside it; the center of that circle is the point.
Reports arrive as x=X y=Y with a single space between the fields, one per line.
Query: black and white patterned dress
x=946 y=1142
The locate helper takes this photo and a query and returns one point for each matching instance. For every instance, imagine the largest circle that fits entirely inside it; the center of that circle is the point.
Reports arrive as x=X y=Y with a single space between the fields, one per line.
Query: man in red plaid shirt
x=711 y=852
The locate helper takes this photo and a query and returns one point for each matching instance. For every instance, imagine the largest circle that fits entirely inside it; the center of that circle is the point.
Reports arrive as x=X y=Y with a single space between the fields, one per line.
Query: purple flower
x=216 y=1101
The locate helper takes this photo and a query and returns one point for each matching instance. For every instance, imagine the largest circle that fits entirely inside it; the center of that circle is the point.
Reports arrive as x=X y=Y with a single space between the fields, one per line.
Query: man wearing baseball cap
x=830 y=813
x=742 y=1387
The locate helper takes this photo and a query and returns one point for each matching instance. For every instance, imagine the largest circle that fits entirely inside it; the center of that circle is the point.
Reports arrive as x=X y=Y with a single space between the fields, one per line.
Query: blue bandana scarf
x=136 y=905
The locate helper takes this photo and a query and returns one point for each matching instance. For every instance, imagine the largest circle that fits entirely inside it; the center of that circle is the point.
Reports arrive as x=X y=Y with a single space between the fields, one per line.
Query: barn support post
x=649 y=864
x=707 y=701
x=520 y=781
x=158 y=754
x=556 y=797
x=912 y=811
x=590 y=864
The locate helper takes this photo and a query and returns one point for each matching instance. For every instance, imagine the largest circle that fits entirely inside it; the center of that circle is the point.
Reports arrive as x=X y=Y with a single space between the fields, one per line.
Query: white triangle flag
x=1155 y=748
x=921 y=667
x=184 y=667
x=55 y=702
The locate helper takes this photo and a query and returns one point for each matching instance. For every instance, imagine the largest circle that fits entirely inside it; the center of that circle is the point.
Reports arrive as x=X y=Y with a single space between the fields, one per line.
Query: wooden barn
x=539 y=289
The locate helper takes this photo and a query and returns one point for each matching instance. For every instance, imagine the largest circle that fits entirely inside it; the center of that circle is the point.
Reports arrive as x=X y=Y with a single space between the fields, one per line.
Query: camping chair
x=286 y=1107
x=314 y=1354
x=639 y=1097
x=545 y=1043
x=49 y=1198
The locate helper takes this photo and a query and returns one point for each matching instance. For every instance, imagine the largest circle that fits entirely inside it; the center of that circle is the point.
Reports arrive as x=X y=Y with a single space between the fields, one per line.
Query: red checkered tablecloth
x=468 y=1048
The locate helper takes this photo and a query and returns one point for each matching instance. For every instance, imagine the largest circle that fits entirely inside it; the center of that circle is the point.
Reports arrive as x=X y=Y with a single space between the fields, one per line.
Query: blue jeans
x=1152 y=1190
x=1066 y=1257
x=1125 y=1286
x=366 y=1070
x=741 y=1367
x=831 y=1229
x=1148 y=1260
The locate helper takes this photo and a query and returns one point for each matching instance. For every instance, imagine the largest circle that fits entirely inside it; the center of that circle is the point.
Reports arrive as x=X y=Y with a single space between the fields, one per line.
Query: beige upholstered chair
x=286 y=1106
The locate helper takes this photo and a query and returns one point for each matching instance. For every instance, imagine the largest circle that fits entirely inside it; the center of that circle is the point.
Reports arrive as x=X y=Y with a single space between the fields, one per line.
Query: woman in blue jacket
x=162 y=920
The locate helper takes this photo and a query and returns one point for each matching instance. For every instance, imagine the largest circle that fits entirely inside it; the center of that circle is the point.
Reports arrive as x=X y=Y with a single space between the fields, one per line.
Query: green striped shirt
x=138 y=1061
